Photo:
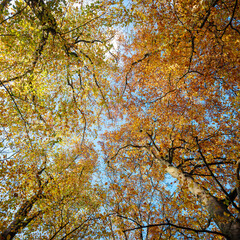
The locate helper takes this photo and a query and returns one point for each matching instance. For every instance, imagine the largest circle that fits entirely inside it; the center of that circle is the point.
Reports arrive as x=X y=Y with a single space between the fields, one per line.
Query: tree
x=53 y=89
x=180 y=108
x=176 y=87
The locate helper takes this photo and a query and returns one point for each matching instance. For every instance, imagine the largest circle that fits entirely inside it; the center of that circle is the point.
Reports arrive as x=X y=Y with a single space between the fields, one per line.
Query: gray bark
x=226 y=222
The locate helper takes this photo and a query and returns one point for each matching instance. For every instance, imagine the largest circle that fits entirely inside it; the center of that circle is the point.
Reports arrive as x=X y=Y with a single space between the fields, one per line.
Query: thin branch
x=209 y=169
x=14 y=15
x=36 y=55
x=231 y=19
x=79 y=227
x=160 y=98
x=209 y=164
x=55 y=234
x=80 y=111
x=121 y=148
x=130 y=219
x=176 y=226
x=3 y=4
x=131 y=67
x=111 y=228
x=208 y=13
x=219 y=184
x=88 y=41
x=26 y=125
x=83 y=25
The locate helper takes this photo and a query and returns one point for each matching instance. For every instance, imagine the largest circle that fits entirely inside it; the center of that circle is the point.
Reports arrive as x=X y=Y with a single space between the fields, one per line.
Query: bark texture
x=226 y=222
x=21 y=218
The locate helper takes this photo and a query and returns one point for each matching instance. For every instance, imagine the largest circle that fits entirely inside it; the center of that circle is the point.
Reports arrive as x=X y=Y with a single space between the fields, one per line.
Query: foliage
x=172 y=93
x=180 y=109
x=53 y=88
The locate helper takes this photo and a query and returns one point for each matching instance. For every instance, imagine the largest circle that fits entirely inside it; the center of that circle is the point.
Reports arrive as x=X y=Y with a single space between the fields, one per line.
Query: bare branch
x=176 y=226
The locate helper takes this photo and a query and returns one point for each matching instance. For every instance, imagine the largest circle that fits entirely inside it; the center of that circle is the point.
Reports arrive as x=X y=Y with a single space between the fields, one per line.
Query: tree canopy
x=164 y=107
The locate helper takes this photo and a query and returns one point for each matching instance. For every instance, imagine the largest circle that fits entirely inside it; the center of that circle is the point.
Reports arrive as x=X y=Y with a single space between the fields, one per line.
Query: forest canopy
x=119 y=119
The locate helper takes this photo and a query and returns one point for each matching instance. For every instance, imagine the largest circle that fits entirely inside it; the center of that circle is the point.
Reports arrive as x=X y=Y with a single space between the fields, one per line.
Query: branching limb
x=14 y=15
x=212 y=174
x=3 y=4
x=59 y=230
x=177 y=227
x=36 y=56
x=21 y=218
x=121 y=148
x=130 y=69
x=208 y=13
x=26 y=125
x=209 y=164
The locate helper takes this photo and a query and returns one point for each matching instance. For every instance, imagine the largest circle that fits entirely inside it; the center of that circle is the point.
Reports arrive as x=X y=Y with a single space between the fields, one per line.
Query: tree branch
x=176 y=226
x=3 y=4
x=20 y=218
x=209 y=169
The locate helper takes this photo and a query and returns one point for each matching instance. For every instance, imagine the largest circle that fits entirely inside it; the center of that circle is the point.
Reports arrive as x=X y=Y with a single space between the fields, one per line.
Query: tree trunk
x=226 y=222
x=21 y=219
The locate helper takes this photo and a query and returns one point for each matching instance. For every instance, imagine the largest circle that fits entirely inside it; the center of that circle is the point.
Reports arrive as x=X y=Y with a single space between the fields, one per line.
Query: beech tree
x=180 y=109
x=171 y=93
x=53 y=87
